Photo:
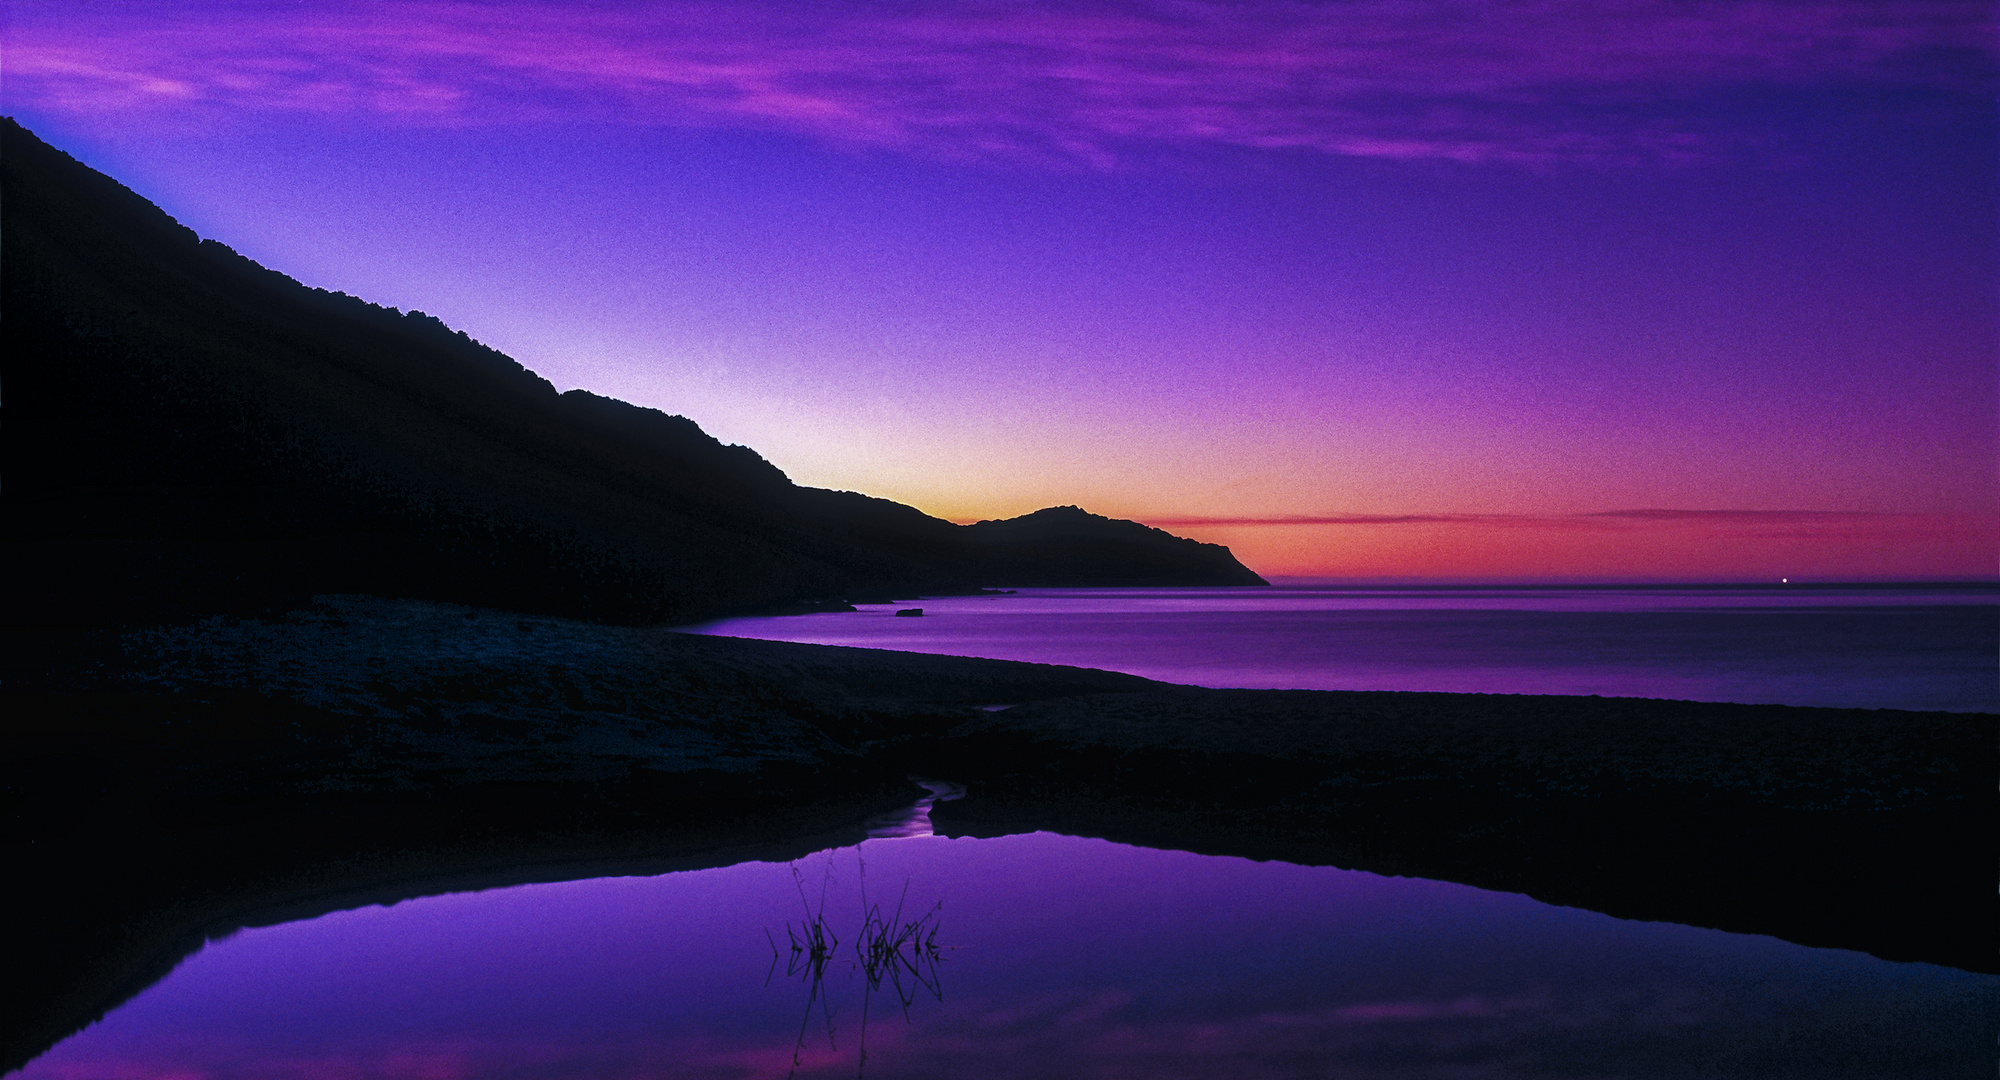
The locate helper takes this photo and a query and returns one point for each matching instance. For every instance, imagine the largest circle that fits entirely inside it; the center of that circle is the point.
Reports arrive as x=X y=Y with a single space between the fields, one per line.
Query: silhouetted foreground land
x=188 y=432
x=170 y=783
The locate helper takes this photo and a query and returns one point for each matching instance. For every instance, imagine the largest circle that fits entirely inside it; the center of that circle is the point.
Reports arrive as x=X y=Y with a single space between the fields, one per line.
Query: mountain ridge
x=192 y=431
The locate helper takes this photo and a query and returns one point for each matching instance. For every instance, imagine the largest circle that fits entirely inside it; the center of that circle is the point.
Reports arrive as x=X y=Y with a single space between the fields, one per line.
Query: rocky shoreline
x=171 y=783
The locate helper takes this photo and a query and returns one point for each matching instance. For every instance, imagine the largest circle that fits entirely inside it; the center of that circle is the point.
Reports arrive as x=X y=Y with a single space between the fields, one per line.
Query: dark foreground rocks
x=169 y=784
x=1840 y=828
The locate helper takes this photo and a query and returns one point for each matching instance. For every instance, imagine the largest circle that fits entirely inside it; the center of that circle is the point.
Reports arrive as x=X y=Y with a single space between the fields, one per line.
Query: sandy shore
x=168 y=784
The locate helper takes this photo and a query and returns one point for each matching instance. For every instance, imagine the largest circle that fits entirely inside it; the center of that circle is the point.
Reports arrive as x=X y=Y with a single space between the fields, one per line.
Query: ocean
x=1927 y=647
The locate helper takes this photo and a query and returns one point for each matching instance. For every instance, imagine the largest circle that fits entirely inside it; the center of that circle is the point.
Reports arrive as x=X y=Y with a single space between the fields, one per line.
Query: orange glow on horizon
x=1687 y=547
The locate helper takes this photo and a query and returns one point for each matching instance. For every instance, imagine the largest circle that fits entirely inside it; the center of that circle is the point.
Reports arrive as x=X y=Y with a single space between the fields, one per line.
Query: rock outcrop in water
x=190 y=431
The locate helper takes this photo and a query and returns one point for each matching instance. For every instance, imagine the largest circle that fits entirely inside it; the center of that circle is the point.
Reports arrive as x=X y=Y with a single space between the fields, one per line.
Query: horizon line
x=1642 y=514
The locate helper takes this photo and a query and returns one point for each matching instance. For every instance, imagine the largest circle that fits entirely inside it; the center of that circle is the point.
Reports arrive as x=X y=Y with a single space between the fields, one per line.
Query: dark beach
x=171 y=784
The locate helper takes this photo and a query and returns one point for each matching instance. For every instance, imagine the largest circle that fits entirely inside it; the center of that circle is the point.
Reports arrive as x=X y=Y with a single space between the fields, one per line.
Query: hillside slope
x=190 y=431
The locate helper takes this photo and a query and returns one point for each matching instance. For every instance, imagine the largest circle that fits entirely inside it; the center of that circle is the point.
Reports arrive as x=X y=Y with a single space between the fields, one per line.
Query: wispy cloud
x=1802 y=524
x=1351 y=519
x=1528 y=81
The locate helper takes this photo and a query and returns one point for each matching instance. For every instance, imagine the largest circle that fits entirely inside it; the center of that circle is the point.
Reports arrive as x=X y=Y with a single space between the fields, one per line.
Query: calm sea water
x=1033 y=956
x=1900 y=647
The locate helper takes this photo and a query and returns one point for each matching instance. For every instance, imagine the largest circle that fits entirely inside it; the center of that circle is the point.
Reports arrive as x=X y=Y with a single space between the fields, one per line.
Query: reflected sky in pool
x=1060 y=957
x=1867 y=647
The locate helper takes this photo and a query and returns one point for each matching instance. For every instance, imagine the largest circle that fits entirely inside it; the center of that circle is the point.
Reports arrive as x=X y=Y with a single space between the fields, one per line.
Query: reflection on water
x=904 y=953
x=915 y=820
x=812 y=945
x=1073 y=957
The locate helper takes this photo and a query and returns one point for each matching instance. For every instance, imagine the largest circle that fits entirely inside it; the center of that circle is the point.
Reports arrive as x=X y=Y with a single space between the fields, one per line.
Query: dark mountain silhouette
x=188 y=431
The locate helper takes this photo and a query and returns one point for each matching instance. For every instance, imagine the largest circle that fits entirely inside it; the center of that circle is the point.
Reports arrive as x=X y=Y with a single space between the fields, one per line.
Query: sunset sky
x=1387 y=289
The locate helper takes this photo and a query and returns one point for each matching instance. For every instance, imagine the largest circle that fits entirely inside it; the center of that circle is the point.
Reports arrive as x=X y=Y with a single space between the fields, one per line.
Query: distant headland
x=189 y=431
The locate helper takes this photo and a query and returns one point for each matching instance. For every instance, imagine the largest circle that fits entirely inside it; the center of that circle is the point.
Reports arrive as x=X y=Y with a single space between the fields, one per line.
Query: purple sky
x=1381 y=288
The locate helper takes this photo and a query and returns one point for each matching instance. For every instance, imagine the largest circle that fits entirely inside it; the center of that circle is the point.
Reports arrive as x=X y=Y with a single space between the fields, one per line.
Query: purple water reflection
x=1065 y=957
x=1913 y=647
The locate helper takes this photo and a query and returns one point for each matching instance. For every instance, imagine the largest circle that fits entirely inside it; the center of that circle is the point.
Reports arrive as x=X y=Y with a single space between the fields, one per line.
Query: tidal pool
x=1025 y=956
